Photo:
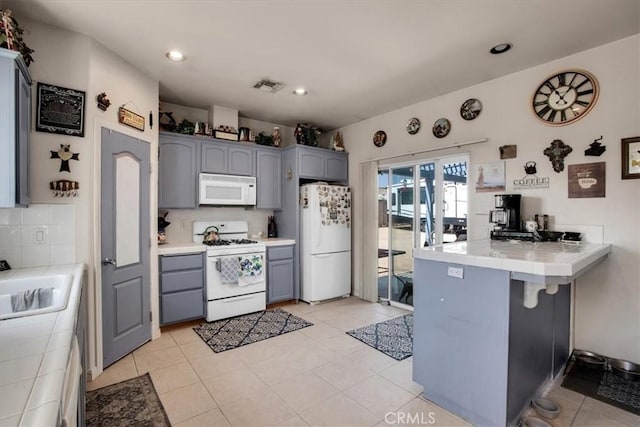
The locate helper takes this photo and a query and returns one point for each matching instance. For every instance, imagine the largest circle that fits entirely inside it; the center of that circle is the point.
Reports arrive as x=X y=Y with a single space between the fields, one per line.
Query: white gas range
x=236 y=270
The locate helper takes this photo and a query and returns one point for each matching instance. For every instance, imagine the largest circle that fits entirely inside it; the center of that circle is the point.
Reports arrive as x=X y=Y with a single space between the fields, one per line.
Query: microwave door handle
x=219 y=264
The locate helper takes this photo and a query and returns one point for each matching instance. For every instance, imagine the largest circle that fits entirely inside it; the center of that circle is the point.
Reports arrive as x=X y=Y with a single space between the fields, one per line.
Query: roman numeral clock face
x=565 y=97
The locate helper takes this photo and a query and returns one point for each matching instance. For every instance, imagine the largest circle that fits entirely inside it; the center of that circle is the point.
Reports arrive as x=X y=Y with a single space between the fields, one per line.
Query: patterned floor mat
x=231 y=333
x=392 y=337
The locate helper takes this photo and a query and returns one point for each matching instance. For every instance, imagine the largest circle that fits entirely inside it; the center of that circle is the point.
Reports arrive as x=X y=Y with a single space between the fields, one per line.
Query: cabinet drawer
x=235 y=306
x=182 y=306
x=181 y=262
x=279 y=252
x=181 y=280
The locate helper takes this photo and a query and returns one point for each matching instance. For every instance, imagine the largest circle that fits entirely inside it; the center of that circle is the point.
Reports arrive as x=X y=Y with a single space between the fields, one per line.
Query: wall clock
x=565 y=97
x=413 y=126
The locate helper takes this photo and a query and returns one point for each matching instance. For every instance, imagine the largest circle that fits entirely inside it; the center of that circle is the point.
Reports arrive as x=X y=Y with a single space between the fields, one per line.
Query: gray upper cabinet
x=318 y=163
x=227 y=158
x=15 y=127
x=178 y=171
x=269 y=178
x=214 y=158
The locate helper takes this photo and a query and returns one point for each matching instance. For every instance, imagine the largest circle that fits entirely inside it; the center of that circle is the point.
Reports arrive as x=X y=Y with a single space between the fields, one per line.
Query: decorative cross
x=556 y=152
x=64 y=154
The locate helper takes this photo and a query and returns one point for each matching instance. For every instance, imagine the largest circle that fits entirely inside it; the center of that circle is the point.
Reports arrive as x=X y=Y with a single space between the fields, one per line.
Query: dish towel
x=32 y=299
x=250 y=270
x=229 y=268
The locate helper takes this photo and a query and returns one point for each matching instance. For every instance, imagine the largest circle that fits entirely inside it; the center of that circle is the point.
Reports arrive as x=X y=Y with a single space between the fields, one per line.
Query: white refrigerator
x=325 y=251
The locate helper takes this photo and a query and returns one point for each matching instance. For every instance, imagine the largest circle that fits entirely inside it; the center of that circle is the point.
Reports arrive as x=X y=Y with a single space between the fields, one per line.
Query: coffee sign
x=530 y=180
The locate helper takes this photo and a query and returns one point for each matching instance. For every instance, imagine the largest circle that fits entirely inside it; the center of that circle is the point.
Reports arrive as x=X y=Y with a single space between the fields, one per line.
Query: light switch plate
x=457 y=272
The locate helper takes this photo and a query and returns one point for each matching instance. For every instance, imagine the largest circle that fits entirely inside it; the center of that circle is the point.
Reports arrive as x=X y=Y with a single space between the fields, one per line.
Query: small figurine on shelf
x=276 y=136
x=336 y=142
x=300 y=135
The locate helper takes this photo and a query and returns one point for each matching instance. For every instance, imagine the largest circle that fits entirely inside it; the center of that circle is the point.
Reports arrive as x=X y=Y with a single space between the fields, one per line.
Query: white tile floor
x=314 y=376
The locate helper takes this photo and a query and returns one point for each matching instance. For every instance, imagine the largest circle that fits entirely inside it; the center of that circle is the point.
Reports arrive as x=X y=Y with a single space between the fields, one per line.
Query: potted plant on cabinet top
x=11 y=36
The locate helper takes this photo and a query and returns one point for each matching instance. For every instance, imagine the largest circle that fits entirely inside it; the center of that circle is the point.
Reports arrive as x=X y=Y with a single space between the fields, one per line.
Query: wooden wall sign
x=130 y=118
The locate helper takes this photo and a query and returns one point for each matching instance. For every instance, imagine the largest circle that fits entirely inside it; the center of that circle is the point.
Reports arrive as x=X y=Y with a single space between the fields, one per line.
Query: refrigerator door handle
x=322 y=255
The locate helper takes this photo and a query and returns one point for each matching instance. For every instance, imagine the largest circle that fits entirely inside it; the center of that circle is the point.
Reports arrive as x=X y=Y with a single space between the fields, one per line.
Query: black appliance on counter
x=506 y=219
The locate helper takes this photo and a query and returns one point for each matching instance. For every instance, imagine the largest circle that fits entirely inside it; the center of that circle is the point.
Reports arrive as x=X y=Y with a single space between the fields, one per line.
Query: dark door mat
x=604 y=386
x=393 y=337
x=228 y=334
x=128 y=403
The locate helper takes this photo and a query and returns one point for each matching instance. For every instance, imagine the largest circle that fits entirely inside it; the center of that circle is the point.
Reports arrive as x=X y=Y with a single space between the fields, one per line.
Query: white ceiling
x=358 y=59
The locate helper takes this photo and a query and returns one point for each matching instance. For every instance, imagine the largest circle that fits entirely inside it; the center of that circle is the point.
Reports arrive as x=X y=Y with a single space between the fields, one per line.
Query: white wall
x=608 y=298
x=73 y=60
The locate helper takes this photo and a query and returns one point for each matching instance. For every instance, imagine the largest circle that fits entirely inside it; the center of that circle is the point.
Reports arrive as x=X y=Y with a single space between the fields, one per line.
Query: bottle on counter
x=272 y=228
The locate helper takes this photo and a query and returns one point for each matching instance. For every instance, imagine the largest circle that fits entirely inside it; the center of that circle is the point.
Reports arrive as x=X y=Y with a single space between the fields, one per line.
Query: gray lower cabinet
x=227 y=158
x=178 y=171
x=280 y=279
x=269 y=178
x=182 y=287
x=15 y=128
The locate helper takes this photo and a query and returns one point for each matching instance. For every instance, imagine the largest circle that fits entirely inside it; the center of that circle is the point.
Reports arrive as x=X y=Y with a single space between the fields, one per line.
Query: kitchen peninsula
x=492 y=322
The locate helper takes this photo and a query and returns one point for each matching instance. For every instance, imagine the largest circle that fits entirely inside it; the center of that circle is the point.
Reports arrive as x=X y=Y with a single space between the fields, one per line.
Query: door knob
x=108 y=261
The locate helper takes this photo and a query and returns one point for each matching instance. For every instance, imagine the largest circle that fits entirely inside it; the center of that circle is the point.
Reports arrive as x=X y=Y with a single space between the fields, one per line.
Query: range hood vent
x=267 y=85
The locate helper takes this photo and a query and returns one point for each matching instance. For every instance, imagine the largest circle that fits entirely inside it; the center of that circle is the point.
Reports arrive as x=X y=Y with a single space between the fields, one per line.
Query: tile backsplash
x=38 y=236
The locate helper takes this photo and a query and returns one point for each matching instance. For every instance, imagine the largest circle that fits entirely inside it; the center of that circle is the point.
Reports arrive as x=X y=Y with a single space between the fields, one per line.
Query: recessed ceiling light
x=300 y=91
x=175 y=56
x=501 y=48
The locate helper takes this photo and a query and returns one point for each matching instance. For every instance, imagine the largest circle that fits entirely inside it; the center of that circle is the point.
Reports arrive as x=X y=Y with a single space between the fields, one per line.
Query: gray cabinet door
x=280 y=280
x=311 y=164
x=280 y=274
x=269 y=179
x=215 y=157
x=337 y=167
x=241 y=161
x=177 y=173
x=23 y=122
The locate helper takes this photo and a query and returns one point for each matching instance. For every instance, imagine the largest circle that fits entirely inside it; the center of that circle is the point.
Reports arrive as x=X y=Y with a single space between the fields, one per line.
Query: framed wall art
x=631 y=158
x=587 y=180
x=60 y=110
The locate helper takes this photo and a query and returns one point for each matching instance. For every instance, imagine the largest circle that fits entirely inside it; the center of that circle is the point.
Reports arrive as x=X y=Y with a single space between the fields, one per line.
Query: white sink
x=61 y=284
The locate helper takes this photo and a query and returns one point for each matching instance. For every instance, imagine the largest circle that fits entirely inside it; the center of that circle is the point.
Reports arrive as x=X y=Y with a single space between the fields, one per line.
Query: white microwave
x=227 y=190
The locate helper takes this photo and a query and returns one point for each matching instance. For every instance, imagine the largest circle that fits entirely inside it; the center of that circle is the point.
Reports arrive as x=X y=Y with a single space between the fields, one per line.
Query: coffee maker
x=506 y=216
x=506 y=219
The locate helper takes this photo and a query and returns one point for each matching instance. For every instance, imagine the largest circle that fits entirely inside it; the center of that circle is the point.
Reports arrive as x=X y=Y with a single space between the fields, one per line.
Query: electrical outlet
x=457 y=272
x=40 y=236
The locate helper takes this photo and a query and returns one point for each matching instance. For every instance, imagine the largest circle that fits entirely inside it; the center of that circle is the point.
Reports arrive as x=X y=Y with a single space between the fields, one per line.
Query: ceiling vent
x=267 y=85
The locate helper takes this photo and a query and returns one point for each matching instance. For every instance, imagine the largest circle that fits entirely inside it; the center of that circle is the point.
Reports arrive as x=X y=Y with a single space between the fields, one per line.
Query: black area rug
x=231 y=333
x=604 y=386
x=128 y=403
x=393 y=337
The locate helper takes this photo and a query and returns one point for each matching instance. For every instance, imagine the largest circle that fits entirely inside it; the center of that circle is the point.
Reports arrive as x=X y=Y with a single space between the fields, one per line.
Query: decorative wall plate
x=413 y=126
x=441 y=128
x=379 y=138
x=470 y=109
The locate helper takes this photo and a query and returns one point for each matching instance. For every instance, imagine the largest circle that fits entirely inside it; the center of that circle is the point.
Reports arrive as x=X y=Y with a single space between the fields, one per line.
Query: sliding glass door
x=413 y=214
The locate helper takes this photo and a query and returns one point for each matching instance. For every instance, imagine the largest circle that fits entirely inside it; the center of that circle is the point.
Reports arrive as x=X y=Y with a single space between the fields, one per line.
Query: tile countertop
x=535 y=258
x=34 y=351
x=191 y=247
